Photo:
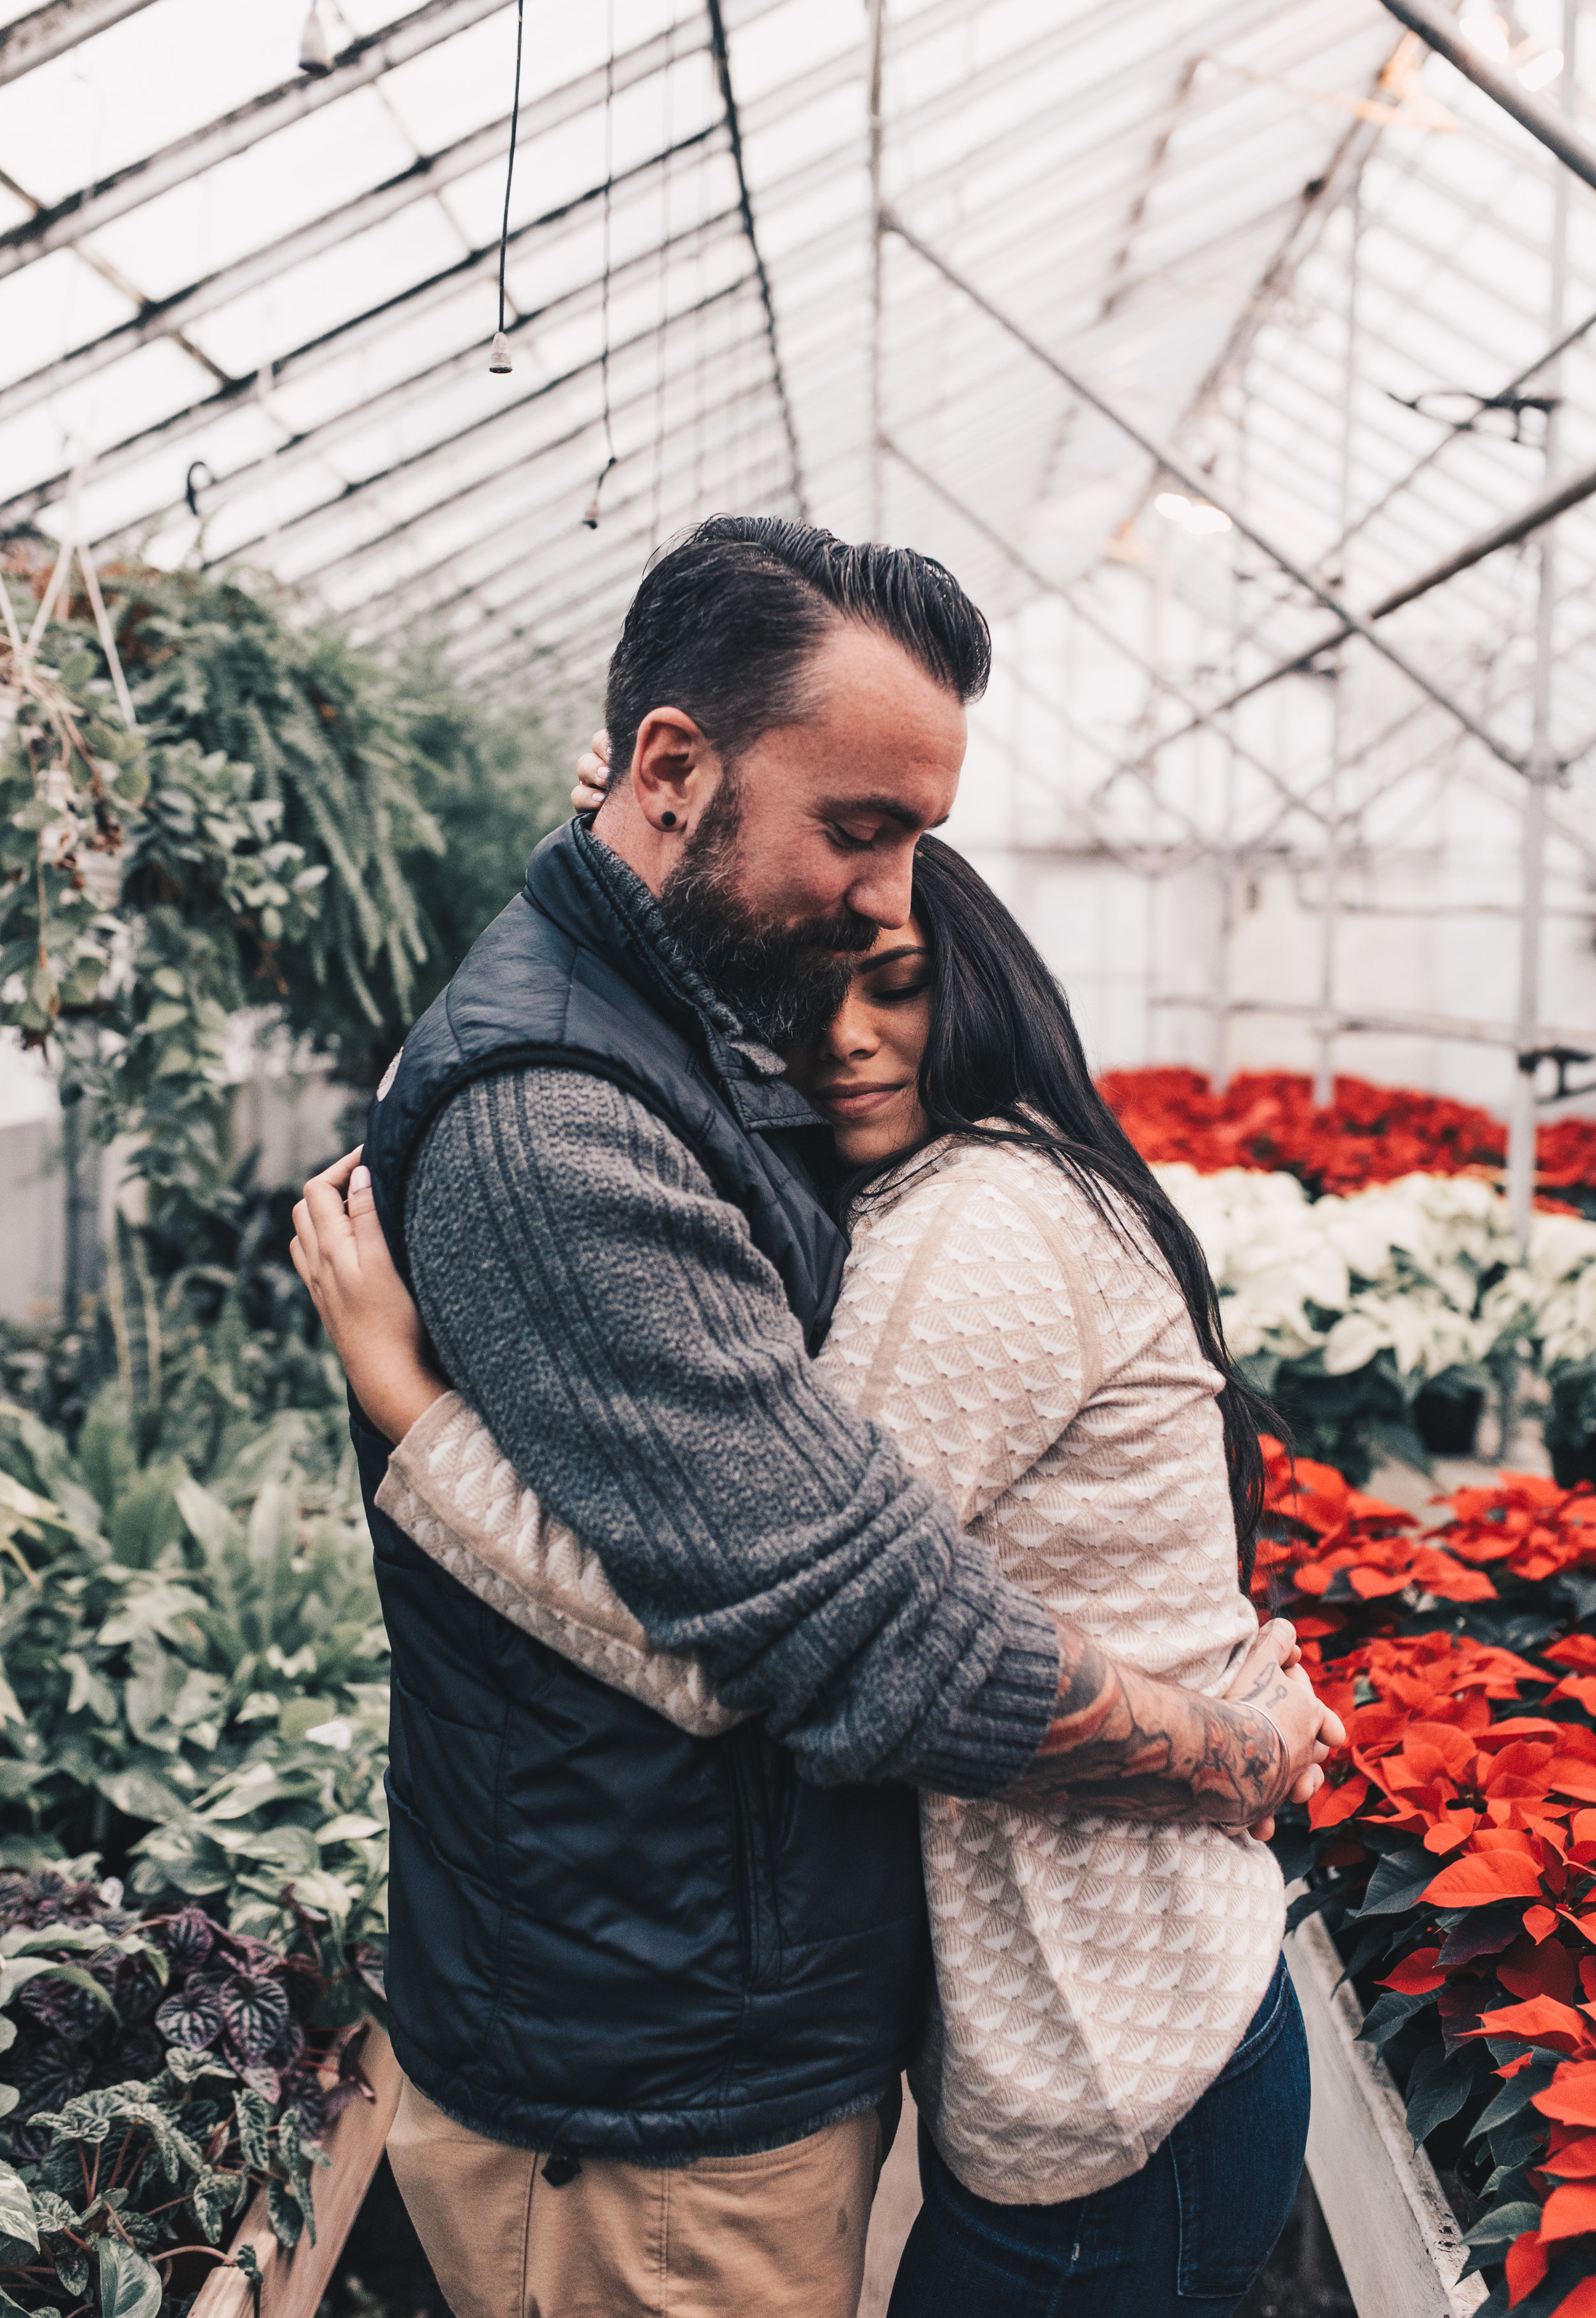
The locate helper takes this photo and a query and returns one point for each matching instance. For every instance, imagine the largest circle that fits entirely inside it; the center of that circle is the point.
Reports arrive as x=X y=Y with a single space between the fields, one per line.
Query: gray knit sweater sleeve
x=636 y=1359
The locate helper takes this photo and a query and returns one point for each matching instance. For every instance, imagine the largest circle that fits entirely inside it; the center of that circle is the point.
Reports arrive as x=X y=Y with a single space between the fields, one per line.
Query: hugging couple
x=811 y=1502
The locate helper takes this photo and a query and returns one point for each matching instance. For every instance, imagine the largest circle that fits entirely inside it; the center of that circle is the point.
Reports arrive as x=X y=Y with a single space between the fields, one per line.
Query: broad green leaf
x=89 y=1690
x=130 y=2288
x=140 y=1794
x=254 y=2119
x=301 y=1716
x=349 y=1826
x=87 y=1939
x=288 y=2215
x=72 y=2267
x=17 y=2218
x=212 y=1525
x=157 y=1606
x=260 y=1783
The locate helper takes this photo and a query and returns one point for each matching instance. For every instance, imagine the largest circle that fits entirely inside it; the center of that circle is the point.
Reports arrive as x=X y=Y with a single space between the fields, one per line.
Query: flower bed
x=1344 y=1308
x=1269 y=1119
x=164 y=2069
x=195 y=1685
x=1452 y=1851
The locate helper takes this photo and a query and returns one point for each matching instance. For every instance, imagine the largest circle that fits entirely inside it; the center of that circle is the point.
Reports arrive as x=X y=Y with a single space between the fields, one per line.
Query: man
x=652 y=1993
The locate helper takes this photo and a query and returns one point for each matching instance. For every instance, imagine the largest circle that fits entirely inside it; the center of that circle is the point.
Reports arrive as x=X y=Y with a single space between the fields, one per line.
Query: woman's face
x=862 y=1072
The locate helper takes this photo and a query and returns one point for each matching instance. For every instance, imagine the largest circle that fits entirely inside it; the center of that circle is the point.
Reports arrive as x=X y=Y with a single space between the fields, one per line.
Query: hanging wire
x=499 y=360
x=699 y=389
x=590 y=513
x=664 y=293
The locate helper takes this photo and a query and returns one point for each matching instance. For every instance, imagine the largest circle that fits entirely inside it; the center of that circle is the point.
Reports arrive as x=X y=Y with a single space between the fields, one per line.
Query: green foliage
x=168 y=2069
x=1350 y=1421
x=195 y=1678
x=495 y=779
x=272 y=837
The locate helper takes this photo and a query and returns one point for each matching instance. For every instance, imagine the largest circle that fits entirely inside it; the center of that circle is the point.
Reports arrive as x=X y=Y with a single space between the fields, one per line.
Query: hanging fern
x=262 y=840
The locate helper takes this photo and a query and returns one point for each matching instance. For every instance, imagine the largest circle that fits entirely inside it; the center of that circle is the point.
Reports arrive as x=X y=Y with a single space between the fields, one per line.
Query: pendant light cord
x=609 y=175
x=590 y=517
x=504 y=231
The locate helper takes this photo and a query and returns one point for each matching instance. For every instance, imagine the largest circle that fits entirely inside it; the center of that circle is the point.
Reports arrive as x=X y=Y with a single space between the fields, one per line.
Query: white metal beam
x=49 y=32
x=426 y=177
x=61 y=223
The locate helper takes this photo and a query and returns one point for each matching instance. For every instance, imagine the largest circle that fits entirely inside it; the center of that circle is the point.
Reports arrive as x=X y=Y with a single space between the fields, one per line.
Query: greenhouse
x=753 y=1288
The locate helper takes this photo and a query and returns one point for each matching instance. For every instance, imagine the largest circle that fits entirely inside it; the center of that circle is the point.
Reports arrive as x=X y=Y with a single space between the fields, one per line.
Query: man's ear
x=674 y=771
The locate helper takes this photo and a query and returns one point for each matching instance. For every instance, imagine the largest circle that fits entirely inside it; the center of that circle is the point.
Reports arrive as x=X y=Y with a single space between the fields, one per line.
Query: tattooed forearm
x=1122 y=1741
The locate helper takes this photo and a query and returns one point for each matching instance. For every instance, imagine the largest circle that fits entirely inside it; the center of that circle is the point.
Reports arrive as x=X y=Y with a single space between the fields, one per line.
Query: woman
x=1114 y=2090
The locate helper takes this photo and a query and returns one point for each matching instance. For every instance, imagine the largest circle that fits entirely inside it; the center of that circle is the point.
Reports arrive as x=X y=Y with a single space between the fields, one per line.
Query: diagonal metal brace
x=1554 y=130
x=1201 y=488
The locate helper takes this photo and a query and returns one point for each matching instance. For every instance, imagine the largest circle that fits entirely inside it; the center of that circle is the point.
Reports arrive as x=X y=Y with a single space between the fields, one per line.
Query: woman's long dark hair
x=1003 y=1045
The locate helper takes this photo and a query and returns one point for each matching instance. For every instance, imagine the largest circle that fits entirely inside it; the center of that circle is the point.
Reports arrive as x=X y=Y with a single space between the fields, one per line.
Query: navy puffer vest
x=607 y=1936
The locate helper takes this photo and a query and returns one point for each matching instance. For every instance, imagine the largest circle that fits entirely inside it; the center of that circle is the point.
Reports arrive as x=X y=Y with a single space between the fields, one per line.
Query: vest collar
x=591 y=894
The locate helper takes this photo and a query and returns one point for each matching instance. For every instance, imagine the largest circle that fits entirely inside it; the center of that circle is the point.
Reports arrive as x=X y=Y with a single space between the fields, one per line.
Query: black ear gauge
x=667 y=820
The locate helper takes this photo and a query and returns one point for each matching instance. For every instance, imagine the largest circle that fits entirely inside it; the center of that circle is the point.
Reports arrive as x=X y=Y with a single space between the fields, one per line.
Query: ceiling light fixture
x=1191 y=515
x=1541 y=70
x=315 y=51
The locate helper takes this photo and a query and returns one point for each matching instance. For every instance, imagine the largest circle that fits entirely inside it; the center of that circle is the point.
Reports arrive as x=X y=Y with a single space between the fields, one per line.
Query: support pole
x=1201 y=488
x=1556 y=132
x=1219 y=1063
x=877 y=256
x=1543 y=764
x=81 y=1158
x=1331 y=896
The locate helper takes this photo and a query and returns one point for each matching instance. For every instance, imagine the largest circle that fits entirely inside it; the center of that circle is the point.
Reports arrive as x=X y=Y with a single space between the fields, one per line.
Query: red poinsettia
x=1449 y=1753
x=1367 y=1135
x=1324 y=1538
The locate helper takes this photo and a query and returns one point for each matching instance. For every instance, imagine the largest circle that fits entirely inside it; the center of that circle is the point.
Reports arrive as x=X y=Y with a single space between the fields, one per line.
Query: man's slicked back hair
x=726 y=618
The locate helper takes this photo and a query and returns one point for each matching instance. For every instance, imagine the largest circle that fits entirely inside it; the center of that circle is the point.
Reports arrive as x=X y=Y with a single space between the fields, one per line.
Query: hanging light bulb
x=500 y=359
x=590 y=512
x=315 y=51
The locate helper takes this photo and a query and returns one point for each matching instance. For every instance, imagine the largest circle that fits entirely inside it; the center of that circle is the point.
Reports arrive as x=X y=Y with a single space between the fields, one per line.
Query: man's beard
x=784 y=983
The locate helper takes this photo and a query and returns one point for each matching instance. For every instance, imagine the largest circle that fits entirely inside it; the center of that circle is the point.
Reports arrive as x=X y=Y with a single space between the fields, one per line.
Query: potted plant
x=1571 y=1422
x=1448 y=1408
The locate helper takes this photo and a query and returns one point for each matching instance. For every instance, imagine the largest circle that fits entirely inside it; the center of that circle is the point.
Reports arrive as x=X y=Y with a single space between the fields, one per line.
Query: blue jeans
x=1188 y=2233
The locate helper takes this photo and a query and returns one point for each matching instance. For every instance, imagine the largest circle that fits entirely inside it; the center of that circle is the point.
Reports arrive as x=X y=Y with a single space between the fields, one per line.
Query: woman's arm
x=340 y=1253
x=449 y=1487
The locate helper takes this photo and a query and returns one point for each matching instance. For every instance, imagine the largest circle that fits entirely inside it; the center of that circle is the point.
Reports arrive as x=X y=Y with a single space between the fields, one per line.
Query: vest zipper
x=755 y=1879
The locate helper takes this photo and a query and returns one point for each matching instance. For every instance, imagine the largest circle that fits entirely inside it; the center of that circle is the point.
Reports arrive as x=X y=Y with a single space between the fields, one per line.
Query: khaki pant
x=781 y=2235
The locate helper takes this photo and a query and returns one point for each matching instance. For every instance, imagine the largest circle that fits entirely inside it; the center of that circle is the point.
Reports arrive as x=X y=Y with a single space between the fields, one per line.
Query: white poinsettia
x=1426 y=1268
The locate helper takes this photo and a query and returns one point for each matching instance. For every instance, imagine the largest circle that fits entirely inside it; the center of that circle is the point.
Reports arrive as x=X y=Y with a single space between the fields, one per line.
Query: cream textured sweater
x=1093 y=1973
